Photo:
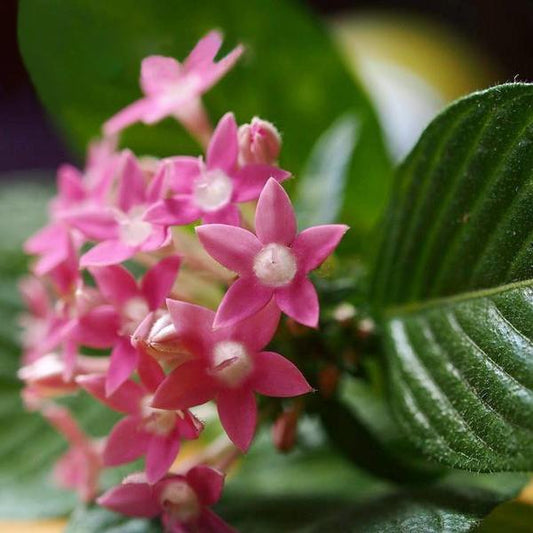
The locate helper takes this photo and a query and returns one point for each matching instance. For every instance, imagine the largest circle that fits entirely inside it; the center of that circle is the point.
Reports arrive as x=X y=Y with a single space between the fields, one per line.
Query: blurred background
x=393 y=45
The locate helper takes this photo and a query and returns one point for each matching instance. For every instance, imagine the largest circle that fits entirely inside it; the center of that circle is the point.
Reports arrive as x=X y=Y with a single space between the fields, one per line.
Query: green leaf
x=453 y=288
x=84 y=59
x=511 y=517
x=321 y=189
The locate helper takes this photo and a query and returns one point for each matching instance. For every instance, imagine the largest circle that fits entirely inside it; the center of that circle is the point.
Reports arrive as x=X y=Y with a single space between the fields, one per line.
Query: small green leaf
x=453 y=288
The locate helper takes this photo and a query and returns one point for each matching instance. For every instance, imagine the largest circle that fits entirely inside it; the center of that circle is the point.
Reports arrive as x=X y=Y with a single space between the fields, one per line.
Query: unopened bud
x=328 y=379
x=365 y=328
x=259 y=142
x=284 y=430
x=344 y=313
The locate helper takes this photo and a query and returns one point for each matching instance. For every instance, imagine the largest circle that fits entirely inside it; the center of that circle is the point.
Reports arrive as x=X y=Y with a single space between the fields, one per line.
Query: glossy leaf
x=84 y=59
x=453 y=287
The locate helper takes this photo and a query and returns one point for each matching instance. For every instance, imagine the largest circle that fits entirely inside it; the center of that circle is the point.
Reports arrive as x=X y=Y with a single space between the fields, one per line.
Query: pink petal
x=229 y=215
x=127 y=116
x=209 y=522
x=193 y=325
x=245 y=297
x=162 y=451
x=186 y=386
x=157 y=72
x=98 y=328
x=214 y=73
x=207 y=482
x=257 y=331
x=277 y=376
x=94 y=224
x=116 y=284
x=233 y=247
x=46 y=238
x=150 y=373
x=70 y=184
x=158 y=238
x=189 y=426
x=183 y=170
x=223 y=149
x=107 y=253
x=238 y=415
x=132 y=499
x=124 y=358
x=299 y=301
x=126 y=442
x=274 y=218
x=250 y=180
x=178 y=210
x=158 y=281
x=126 y=399
x=313 y=245
x=204 y=52
x=131 y=185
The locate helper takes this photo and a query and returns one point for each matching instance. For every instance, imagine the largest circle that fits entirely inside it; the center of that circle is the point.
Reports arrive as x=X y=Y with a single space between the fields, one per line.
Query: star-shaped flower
x=274 y=263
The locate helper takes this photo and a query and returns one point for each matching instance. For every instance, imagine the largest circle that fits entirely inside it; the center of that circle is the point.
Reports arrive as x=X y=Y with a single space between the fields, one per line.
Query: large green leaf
x=453 y=288
x=84 y=59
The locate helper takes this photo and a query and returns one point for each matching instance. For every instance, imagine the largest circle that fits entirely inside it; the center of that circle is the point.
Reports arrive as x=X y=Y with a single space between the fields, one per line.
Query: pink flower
x=79 y=468
x=146 y=431
x=210 y=190
x=132 y=302
x=272 y=265
x=228 y=366
x=182 y=501
x=174 y=89
x=122 y=230
x=259 y=142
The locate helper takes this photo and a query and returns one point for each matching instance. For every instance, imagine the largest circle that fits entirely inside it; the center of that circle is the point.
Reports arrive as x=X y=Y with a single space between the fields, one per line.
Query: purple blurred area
x=29 y=141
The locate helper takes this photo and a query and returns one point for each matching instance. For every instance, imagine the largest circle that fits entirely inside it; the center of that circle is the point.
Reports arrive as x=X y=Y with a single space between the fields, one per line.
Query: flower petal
x=132 y=499
x=116 y=284
x=178 y=210
x=126 y=117
x=131 y=184
x=157 y=72
x=150 y=373
x=238 y=415
x=158 y=281
x=97 y=328
x=186 y=386
x=229 y=215
x=107 y=253
x=223 y=148
x=212 y=523
x=126 y=442
x=250 y=180
x=277 y=376
x=70 y=184
x=182 y=171
x=231 y=246
x=245 y=297
x=126 y=399
x=124 y=358
x=299 y=301
x=274 y=218
x=204 y=52
x=207 y=482
x=162 y=451
x=313 y=245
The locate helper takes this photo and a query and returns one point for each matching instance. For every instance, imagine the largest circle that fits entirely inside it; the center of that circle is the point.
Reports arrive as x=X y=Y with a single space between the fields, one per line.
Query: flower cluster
x=167 y=353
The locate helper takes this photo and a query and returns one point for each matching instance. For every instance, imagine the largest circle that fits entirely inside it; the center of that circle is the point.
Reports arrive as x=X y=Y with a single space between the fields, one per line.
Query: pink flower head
x=132 y=302
x=182 y=501
x=229 y=366
x=79 y=468
x=259 y=142
x=175 y=89
x=272 y=264
x=210 y=190
x=155 y=433
x=121 y=229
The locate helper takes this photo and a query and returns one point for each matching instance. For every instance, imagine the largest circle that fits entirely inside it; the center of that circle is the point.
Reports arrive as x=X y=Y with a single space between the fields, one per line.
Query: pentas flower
x=154 y=433
x=182 y=501
x=132 y=302
x=80 y=467
x=229 y=366
x=274 y=263
x=121 y=229
x=174 y=89
x=210 y=190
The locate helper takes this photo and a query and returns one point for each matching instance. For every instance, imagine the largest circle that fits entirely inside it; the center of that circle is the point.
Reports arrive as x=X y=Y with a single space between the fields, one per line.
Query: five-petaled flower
x=272 y=264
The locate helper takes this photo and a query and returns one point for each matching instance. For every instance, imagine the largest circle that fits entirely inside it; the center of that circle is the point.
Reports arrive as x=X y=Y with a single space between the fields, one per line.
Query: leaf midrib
x=416 y=306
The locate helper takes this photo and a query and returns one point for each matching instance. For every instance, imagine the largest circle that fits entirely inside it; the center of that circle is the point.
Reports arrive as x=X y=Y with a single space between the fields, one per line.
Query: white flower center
x=133 y=229
x=157 y=421
x=180 y=501
x=231 y=363
x=212 y=190
x=275 y=265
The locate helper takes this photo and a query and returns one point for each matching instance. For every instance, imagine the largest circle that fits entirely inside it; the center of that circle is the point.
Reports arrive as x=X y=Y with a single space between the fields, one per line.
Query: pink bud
x=259 y=142
x=284 y=430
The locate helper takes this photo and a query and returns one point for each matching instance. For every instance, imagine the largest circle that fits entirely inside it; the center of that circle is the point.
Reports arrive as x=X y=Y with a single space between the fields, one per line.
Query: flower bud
x=259 y=142
x=284 y=430
x=328 y=379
